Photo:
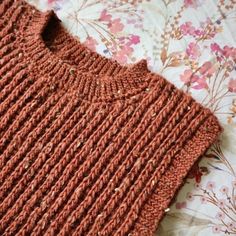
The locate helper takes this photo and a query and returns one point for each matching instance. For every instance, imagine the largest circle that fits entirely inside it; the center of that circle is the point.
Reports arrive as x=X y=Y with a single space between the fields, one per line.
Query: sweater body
x=87 y=146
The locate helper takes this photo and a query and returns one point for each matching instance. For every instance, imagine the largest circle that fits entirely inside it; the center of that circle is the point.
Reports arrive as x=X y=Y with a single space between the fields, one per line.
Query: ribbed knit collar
x=95 y=77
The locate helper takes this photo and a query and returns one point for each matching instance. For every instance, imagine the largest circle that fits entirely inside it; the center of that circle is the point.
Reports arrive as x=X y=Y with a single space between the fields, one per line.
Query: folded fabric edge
x=154 y=209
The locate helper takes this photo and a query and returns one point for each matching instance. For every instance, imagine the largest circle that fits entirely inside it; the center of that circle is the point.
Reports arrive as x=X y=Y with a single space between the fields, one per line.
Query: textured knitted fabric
x=87 y=146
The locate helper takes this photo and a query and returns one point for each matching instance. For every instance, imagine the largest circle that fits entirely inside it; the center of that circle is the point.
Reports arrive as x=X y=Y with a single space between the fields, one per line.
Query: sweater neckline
x=95 y=80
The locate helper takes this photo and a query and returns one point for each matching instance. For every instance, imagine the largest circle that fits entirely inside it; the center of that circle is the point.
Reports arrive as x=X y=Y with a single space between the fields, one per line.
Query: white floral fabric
x=193 y=44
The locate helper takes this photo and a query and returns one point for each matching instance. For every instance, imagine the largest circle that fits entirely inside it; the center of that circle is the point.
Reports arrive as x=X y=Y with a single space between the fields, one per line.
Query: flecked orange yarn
x=87 y=146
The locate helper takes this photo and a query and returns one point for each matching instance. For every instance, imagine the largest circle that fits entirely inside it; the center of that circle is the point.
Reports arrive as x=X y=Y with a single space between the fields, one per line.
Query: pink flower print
x=190 y=196
x=215 y=47
x=135 y=39
x=224 y=189
x=207 y=69
x=229 y=65
x=210 y=185
x=121 y=39
x=228 y=51
x=193 y=51
x=187 y=28
x=188 y=77
x=115 y=26
x=192 y=3
x=221 y=203
x=122 y=55
x=203 y=200
x=201 y=83
x=216 y=229
x=180 y=205
x=104 y=16
x=232 y=89
x=91 y=43
x=198 y=33
x=51 y=1
x=219 y=58
x=220 y=215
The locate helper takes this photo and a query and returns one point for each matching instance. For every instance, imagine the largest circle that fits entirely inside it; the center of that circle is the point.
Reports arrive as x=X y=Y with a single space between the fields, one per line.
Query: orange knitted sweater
x=87 y=146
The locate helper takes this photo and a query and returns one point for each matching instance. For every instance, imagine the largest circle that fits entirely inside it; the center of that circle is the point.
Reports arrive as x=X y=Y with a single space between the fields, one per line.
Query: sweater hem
x=157 y=204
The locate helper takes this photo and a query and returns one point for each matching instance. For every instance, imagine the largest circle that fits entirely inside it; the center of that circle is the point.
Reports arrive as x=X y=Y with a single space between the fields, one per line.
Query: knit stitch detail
x=87 y=146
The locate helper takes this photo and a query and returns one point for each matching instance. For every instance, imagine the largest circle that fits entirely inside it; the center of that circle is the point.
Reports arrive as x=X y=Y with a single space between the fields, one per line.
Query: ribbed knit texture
x=87 y=146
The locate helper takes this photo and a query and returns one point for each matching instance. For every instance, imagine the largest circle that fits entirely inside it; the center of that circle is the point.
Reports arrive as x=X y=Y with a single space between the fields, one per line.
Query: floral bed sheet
x=193 y=44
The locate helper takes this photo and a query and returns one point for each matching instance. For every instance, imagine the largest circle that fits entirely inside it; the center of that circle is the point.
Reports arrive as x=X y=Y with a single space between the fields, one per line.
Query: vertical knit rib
x=87 y=146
